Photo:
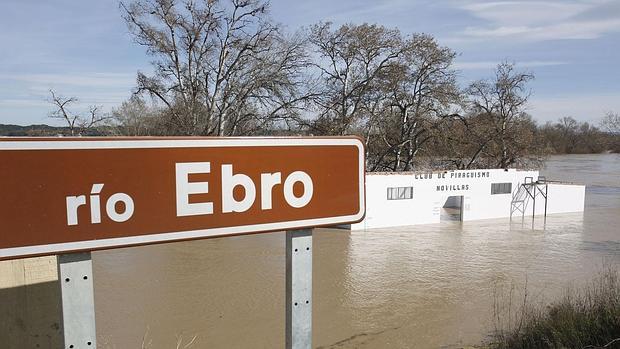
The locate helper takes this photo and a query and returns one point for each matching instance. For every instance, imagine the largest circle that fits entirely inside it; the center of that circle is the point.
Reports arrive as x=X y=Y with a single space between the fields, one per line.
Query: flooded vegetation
x=421 y=286
x=587 y=317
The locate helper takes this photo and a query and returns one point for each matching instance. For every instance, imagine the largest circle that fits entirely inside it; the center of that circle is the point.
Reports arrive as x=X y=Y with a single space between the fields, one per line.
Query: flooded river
x=427 y=286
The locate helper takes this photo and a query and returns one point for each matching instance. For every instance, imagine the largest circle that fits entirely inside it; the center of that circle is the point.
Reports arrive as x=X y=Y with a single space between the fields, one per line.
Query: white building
x=399 y=199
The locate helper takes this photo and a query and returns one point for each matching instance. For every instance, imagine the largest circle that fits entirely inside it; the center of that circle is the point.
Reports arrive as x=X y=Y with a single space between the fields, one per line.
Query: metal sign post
x=299 y=289
x=75 y=274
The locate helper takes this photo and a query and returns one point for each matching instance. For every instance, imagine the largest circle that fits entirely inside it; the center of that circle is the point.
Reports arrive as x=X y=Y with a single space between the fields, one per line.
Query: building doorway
x=452 y=209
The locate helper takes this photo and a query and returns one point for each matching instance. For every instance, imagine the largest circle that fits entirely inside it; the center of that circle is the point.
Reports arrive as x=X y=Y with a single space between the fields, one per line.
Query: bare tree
x=77 y=123
x=134 y=117
x=568 y=129
x=460 y=142
x=350 y=62
x=390 y=89
x=494 y=130
x=221 y=67
x=420 y=89
x=611 y=123
x=501 y=103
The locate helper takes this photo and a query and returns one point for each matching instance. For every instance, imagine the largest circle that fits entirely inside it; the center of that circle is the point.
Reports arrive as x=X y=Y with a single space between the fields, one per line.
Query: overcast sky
x=83 y=49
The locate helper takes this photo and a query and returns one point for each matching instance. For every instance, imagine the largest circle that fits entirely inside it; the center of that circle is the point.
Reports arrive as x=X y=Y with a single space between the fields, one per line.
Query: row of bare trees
x=223 y=68
x=569 y=136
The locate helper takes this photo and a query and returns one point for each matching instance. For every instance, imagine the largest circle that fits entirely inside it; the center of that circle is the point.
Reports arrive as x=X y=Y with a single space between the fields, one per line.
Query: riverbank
x=586 y=317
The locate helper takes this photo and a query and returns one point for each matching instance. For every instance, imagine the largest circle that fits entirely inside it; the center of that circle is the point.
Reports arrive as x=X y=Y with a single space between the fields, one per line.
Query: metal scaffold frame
x=529 y=190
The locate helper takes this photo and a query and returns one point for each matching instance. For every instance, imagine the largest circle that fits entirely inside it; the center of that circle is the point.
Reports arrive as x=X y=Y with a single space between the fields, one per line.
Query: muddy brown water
x=427 y=286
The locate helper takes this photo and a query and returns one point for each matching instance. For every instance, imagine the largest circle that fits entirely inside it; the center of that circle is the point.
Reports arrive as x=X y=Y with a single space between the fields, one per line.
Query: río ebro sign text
x=61 y=195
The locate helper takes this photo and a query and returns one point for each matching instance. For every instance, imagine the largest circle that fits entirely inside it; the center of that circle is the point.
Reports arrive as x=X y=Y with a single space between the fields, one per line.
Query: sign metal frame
x=75 y=276
x=298 y=300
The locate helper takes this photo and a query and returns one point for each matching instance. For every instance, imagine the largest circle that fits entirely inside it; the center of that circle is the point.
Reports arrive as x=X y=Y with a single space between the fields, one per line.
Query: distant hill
x=38 y=131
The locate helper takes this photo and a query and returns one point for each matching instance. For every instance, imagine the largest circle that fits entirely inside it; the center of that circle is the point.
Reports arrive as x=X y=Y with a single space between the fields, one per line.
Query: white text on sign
x=185 y=188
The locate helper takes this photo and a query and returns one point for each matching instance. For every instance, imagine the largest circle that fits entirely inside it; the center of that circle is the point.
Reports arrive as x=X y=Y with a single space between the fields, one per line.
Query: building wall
x=481 y=204
x=563 y=198
x=30 y=306
x=433 y=191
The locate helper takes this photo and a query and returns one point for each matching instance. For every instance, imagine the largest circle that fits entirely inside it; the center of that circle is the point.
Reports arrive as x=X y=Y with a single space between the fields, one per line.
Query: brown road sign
x=65 y=194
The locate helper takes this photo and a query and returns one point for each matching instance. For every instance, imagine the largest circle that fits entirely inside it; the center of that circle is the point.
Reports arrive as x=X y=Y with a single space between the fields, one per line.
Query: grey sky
x=572 y=46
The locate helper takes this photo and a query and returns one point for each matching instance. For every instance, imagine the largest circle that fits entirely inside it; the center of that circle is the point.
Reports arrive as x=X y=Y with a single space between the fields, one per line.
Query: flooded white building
x=400 y=199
